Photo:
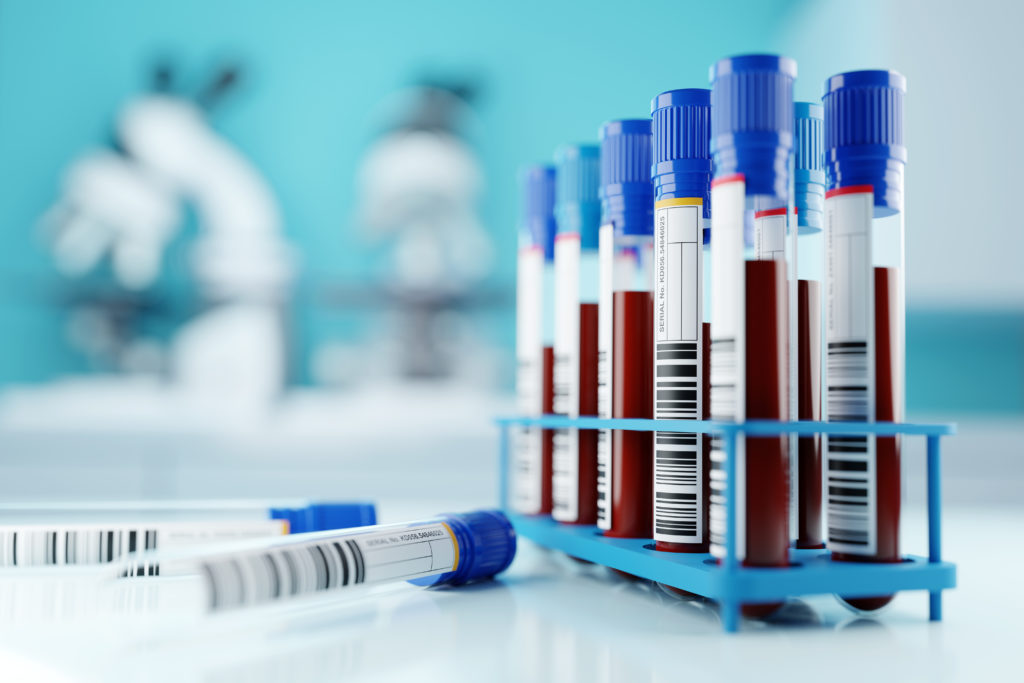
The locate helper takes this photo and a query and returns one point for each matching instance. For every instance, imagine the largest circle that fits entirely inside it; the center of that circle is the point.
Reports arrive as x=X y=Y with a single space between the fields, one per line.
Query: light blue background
x=316 y=76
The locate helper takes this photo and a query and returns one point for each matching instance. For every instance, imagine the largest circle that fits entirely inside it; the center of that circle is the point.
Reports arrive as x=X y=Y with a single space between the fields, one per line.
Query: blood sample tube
x=809 y=201
x=624 y=336
x=864 y=367
x=681 y=172
x=751 y=145
x=531 y=478
x=578 y=210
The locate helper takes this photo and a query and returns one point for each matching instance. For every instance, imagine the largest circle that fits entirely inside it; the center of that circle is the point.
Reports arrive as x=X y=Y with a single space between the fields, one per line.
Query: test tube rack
x=729 y=583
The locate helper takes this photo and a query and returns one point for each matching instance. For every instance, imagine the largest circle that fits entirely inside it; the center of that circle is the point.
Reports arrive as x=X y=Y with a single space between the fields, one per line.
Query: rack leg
x=730 y=616
x=503 y=471
x=934 y=521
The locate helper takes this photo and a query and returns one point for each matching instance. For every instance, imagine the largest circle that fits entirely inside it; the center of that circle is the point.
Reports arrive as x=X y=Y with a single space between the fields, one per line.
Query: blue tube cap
x=577 y=205
x=627 y=195
x=681 y=129
x=487 y=546
x=326 y=516
x=539 y=209
x=809 y=166
x=864 y=134
x=752 y=121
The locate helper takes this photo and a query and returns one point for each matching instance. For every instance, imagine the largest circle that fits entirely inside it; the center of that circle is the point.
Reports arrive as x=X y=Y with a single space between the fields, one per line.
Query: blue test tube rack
x=811 y=572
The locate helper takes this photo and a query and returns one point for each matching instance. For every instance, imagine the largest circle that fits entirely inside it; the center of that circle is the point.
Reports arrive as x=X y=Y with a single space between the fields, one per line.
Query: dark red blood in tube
x=548 y=436
x=767 y=461
x=809 y=398
x=701 y=547
x=632 y=396
x=888 y=408
x=587 y=494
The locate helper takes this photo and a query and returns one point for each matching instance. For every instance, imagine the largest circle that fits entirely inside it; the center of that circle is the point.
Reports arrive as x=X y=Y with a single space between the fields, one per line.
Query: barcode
x=565 y=479
x=293 y=569
x=604 y=479
x=604 y=442
x=562 y=378
x=677 y=487
x=49 y=547
x=262 y=577
x=527 y=469
x=723 y=407
x=851 y=459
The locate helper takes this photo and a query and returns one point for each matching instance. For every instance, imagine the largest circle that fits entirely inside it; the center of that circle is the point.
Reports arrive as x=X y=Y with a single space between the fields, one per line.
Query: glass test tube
x=681 y=174
x=531 y=462
x=450 y=549
x=625 y=345
x=809 y=201
x=578 y=211
x=751 y=144
x=865 y=162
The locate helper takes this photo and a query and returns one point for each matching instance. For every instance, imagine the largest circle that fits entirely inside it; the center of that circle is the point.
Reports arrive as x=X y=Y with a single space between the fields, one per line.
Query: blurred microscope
x=120 y=209
x=419 y=186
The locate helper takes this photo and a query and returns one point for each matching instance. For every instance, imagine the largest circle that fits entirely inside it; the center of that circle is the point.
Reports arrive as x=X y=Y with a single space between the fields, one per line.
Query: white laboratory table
x=547 y=618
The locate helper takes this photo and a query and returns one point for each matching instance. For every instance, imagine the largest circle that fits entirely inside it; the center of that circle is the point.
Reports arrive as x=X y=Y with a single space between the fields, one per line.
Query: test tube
x=625 y=343
x=451 y=549
x=681 y=172
x=531 y=478
x=78 y=533
x=864 y=368
x=751 y=145
x=578 y=211
x=809 y=201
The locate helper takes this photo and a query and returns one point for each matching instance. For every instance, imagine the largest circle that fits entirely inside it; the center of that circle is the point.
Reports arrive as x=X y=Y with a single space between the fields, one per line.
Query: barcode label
x=47 y=545
x=606 y=267
x=528 y=441
x=728 y=353
x=678 y=464
x=294 y=569
x=851 y=489
x=566 y=375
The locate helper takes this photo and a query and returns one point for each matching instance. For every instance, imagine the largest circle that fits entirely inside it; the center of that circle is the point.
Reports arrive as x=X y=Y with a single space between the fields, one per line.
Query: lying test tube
x=450 y=549
x=98 y=532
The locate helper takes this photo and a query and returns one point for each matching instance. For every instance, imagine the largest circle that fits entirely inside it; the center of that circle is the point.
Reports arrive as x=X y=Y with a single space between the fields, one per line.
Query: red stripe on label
x=771 y=212
x=852 y=189
x=567 y=236
x=734 y=178
x=532 y=247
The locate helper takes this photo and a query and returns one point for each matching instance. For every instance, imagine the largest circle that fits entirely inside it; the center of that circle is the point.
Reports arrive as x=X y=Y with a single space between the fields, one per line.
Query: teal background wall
x=316 y=77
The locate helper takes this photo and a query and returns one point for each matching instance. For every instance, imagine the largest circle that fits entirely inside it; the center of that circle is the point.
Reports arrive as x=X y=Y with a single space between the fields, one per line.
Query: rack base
x=811 y=572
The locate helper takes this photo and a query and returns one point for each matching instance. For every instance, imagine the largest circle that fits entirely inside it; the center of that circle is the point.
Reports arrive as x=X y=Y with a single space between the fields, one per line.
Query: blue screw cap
x=864 y=134
x=809 y=166
x=539 y=209
x=326 y=516
x=487 y=546
x=577 y=204
x=681 y=129
x=627 y=195
x=752 y=121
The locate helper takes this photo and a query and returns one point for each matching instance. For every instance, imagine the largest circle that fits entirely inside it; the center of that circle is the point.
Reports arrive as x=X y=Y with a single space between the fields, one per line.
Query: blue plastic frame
x=811 y=571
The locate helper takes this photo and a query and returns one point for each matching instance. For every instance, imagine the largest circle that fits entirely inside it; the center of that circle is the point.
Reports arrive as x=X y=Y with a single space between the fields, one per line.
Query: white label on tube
x=678 y=299
x=527 y=470
x=770 y=234
x=565 y=465
x=606 y=259
x=728 y=353
x=285 y=570
x=37 y=545
x=851 y=486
